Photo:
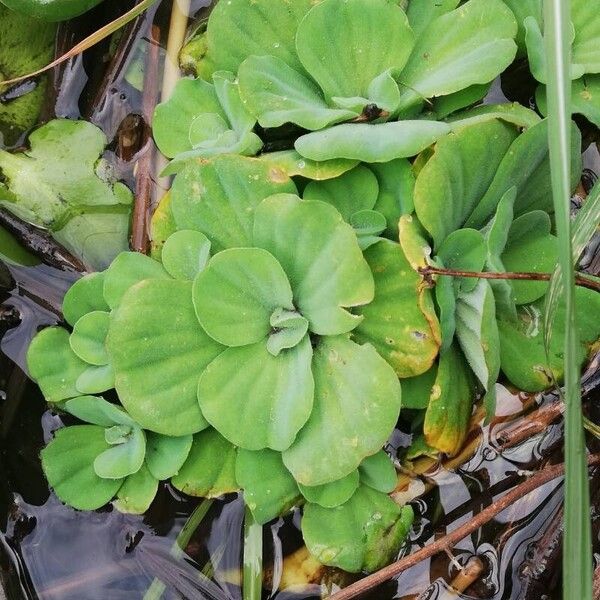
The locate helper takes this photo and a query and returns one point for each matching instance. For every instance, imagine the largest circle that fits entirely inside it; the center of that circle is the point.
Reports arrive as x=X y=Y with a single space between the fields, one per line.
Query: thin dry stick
x=140 y=240
x=448 y=541
x=580 y=280
x=89 y=41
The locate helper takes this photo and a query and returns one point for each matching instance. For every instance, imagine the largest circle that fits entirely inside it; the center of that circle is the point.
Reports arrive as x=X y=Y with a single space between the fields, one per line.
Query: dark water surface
x=52 y=552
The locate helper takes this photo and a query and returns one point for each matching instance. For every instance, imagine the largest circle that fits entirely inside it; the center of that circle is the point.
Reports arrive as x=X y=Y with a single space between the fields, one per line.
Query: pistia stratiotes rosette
x=243 y=359
x=354 y=72
x=585 y=53
x=495 y=217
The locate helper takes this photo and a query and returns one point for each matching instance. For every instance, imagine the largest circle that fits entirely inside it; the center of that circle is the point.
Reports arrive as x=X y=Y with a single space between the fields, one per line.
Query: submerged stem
x=253 y=558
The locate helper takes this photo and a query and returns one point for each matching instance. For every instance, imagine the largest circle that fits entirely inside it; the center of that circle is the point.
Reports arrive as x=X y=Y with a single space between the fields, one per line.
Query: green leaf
x=421 y=12
x=585 y=98
x=269 y=488
x=586 y=50
x=53 y=365
x=84 y=296
x=58 y=178
x=124 y=458
x=98 y=411
x=162 y=226
x=95 y=380
x=463 y=250
x=68 y=465
x=396 y=188
x=530 y=249
x=237 y=293
x=277 y=94
x=357 y=402
x=509 y=112
x=450 y=403
x=364 y=534
x=525 y=166
x=26 y=45
x=166 y=455
x=354 y=191
x=321 y=257
x=378 y=472
x=458 y=175
x=209 y=470
x=265 y=403
x=346 y=44
x=522 y=9
x=137 y=492
x=446 y=105
x=400 y=322
x=371 y=143
x=158 y=351
x=470 y=45
x=97 y=235
x=477 y=334
x=522 y=351
x=219 y=197
x=89 y=337
x=330 y=495
x=185 y=253
x=125 y=271
x=292 y=163
x=417 y=390
x=173 y=119
x=239 y=29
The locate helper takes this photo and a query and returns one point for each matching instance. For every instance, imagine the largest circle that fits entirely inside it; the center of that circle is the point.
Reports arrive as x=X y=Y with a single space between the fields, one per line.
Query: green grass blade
x=584 y=227
x=577 y=559
x=253 y=558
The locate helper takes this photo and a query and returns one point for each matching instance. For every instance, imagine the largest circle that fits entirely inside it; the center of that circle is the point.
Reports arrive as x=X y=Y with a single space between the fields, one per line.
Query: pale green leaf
x=137 y=492
x=158 y=360
x=185 y=253
x=330 y=495
x=357 y=402
x=378 y=471
x=84 y=296
x=98 y=411
x=89 y=337
x=122 y=459
x=321 y=257
x=95 y=380
x=265 y=403
x=292 y=163
x=68 y=463
x=165 y=455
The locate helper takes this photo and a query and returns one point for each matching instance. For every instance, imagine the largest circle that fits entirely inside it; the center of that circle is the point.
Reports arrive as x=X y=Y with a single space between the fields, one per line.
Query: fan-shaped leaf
x=84 y=296
x=269 y=488
x=470 y=45
x=265 y=403
x=277 y=94
x=361 y=535
x=158 y=360
x=89 y=337
x=98 y=411
x=53 y=365
x=95 y=380
x=330 y=495
x=378 y=471
x=68 y=462
x=137 y=492
x=218 y=197
x=238 y=292
x=346 y=44
x=122 y=459
x=185 y=254
x=400 y=322
x=321 y=257
x=165 y=455
x=209 y=470
x=357 y=402
x=292 y=163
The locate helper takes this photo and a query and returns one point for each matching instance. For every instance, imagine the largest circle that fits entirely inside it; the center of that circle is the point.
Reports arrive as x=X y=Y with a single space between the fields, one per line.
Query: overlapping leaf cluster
x=284 y=316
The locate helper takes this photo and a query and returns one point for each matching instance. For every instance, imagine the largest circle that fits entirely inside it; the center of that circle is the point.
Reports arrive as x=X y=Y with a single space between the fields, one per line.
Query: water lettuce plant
x=51 y=10
x=585 y=54
x=62 y=184
x=358 y=85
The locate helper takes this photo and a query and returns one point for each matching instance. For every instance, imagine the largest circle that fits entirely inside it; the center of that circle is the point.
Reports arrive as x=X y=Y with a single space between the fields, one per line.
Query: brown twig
x=40 y=242
x=580 y=280
x=531 y=425
x=140 y=237
x=542 y=477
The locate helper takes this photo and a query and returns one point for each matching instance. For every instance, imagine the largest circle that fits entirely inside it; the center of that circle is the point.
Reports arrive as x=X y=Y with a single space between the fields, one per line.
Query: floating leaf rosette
x=356 y=73
x=280 y=296
x=494 y=217
x=585 y=53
